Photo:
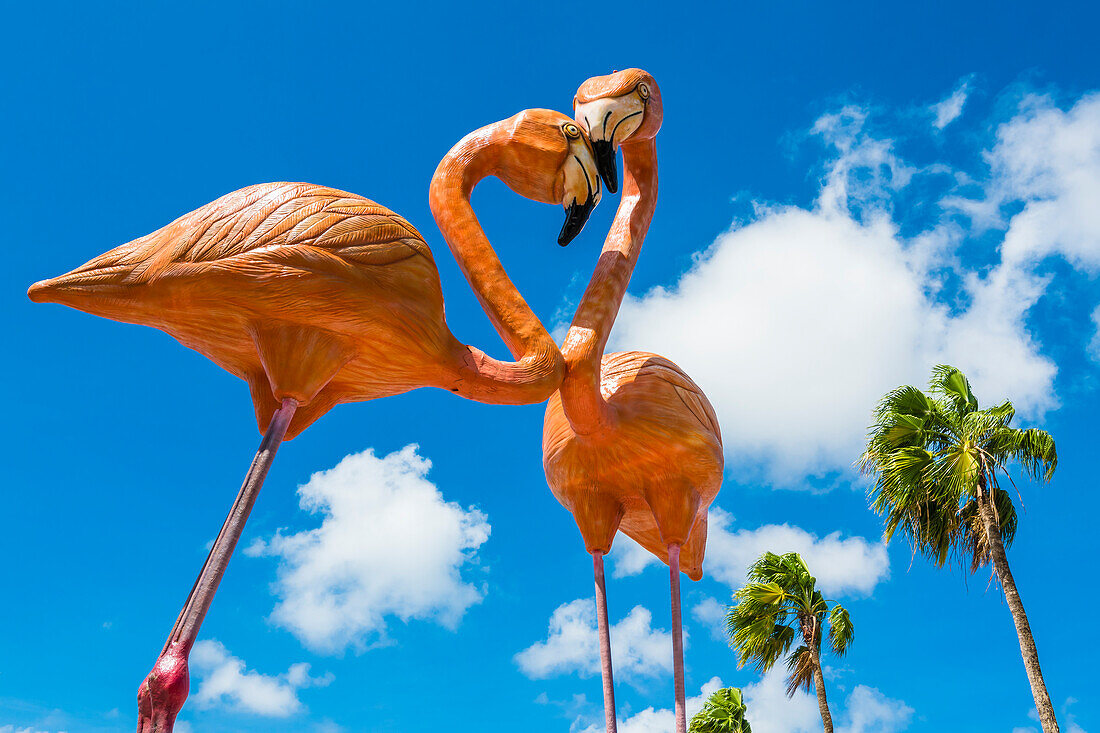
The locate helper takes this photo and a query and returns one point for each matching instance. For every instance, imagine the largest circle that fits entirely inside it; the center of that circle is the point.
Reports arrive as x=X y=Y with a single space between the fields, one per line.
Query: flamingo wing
x=637 y=363
x=292 y=223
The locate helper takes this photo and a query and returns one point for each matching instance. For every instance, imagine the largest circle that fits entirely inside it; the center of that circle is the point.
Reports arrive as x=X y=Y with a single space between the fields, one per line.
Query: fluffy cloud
x=572 y=645
x=388 y=544
x=771 y=711
x=628 y=558
x=869 y=711
x=226 y=681
x=866 y=710
x=1049 y=160
x=797 y=321
x=842 y=565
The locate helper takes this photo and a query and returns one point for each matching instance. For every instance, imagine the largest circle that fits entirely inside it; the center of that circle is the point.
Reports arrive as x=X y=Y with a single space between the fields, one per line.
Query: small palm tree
x=780 y=596
x=938 y=462
x=723 y=712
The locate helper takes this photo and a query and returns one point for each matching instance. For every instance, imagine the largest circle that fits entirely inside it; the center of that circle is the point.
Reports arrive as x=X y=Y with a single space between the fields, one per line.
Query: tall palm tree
x=780 y=596
x=723 y=712
x=938 y=463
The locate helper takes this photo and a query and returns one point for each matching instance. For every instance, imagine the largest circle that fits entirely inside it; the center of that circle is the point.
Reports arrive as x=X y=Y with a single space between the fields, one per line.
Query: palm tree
x=780 y=595
x=723 y=712
x=938 y=462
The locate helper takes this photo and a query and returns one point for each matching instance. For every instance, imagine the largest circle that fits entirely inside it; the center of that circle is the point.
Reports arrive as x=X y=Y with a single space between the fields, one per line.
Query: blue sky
x=849 y=195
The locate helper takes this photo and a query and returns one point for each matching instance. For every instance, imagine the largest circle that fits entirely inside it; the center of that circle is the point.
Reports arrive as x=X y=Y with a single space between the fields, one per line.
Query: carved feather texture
x=299 y=223
x=635 y=364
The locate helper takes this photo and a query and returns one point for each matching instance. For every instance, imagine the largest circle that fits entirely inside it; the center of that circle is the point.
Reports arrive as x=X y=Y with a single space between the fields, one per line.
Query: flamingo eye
x=571 y=131
x=643 y=90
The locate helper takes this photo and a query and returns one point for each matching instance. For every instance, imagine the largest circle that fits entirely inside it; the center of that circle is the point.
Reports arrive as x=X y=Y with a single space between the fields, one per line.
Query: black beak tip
x=576 y=216
x=606 y=164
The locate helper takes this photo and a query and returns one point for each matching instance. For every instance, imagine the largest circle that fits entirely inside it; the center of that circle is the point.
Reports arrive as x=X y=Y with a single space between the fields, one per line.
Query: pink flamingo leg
x=162 y=694
x=677 y=637
x=605 y=644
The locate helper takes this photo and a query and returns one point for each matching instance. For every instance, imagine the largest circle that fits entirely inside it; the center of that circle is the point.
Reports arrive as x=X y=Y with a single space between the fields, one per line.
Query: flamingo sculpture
x=316 y=296
x=629 y=442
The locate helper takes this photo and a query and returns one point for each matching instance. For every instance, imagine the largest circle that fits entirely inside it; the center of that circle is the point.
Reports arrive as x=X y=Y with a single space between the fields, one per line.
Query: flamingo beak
x=606 y=164
x=576 y=216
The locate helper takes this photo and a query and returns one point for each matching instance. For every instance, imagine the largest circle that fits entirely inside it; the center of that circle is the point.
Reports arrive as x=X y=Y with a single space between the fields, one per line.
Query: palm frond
x=800 y=668
x=973 y=541
x=781 y=592
x=953 y=474
x=951 y=384
x=723 y=712
x=978 y=425
x=927 y=477
x=756 y=625
x=1033 y=448
x=841 y=631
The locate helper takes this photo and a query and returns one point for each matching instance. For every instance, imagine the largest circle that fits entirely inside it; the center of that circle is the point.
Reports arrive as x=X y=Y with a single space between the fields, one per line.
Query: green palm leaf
x=927 y=478
x=723 y=712
x=779 y=604
x=950 y=383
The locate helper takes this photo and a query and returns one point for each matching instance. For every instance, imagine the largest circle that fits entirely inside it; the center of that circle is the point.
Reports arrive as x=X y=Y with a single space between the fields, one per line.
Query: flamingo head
x=613 y=109
x=547 y=157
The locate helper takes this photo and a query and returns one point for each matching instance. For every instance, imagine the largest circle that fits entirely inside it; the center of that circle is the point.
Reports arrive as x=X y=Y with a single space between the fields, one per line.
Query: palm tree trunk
x=1016 y=606
x=819 y=683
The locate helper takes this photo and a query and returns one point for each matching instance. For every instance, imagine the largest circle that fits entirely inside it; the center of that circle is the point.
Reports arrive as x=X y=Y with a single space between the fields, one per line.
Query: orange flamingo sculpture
x=316 y=296
x=629 y=441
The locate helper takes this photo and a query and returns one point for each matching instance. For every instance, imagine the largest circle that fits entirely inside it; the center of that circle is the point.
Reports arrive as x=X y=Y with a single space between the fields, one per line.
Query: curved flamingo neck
x=539 y=369
x=582 y=402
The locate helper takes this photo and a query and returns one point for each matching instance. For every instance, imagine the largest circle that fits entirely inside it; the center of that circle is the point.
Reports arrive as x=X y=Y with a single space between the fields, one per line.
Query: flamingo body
x=659 y=460
x=303 y=291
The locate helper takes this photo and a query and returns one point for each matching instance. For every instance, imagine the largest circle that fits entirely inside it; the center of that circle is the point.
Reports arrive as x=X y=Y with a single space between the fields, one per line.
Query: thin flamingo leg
x=164 y=690
x=677 y=637
x=605 y=644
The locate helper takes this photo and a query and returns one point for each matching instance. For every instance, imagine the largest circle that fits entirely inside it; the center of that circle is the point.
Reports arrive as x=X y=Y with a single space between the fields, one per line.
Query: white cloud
x=948 y=110
x=652 y=720
x=226 y=681
x=866 y=171
x=842 y=565
x=818 y=316
x=866 y=710
x=797 y=322
x=1049 y=160
x=628 y=558
x=712 y=615
x=869 y=711
x=13 y=729
x=572 y=645
x=771 y=711
x=388 y=544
